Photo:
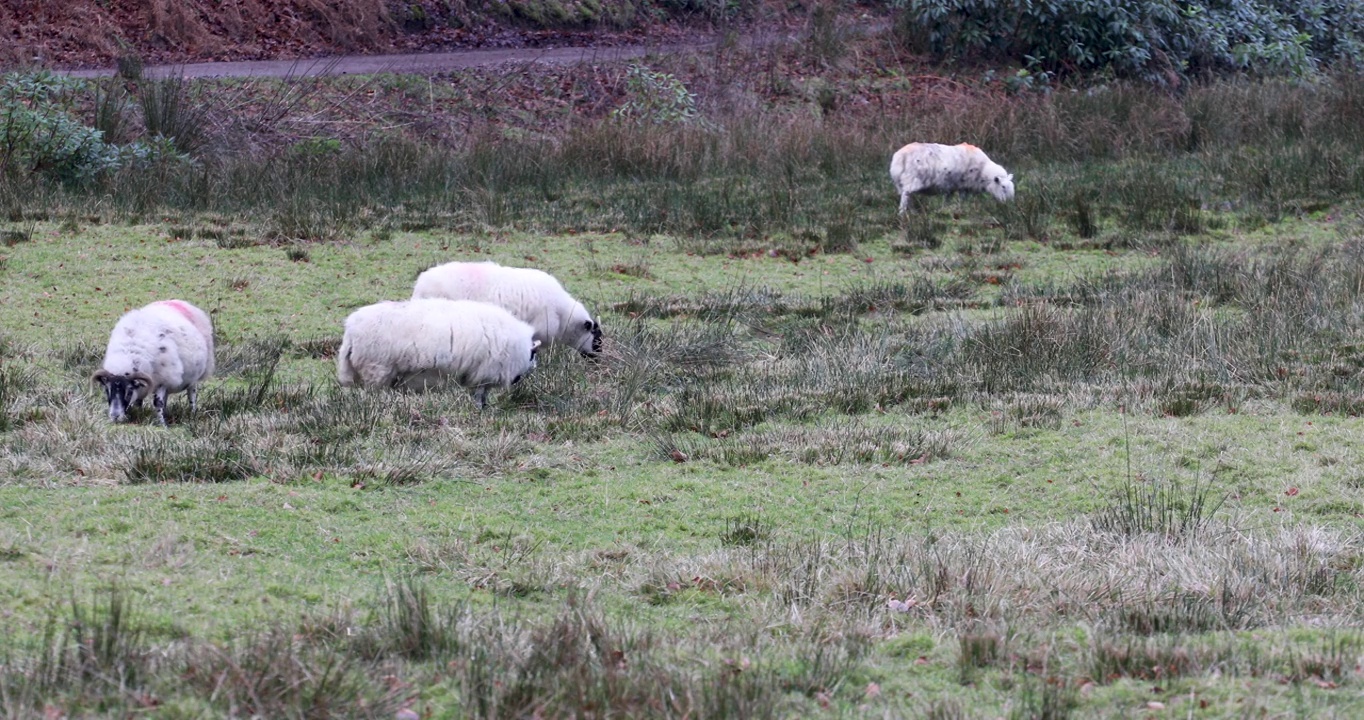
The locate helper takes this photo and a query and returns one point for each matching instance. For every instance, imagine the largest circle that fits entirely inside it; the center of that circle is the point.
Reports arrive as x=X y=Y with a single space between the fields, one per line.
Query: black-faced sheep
x=427 y=342
x=534 y=296
x=931 y=169
x=163 y=348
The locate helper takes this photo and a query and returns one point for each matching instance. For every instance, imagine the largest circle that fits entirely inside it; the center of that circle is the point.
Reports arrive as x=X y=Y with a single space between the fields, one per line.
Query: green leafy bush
x=656 y=97
x=1158 y=40
x=40 y=133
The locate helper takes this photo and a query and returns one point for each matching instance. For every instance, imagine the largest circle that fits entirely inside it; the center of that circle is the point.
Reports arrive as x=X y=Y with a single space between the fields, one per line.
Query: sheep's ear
x=589 y=325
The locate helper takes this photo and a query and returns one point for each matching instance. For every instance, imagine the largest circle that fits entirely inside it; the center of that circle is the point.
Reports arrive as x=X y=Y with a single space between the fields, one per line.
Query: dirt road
x=424 y=63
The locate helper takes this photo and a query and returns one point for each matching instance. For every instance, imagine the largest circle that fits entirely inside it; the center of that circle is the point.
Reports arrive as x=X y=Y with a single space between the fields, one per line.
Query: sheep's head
x=596 y=339
x=534 y=360
x=586 y=335
x=122 y=391
x=1000 y=184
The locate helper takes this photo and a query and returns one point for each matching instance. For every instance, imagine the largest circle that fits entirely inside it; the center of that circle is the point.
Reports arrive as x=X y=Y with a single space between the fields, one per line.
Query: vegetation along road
x=1084 y=445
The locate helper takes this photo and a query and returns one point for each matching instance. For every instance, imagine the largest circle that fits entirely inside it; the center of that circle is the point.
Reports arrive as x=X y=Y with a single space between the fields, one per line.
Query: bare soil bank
x=88 y=34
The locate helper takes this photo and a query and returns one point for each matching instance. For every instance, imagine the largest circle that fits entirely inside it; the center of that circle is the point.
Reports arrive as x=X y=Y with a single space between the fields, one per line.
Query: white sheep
x=163 y=348
x=933 y=169
x=534 y=296
x=420 y=343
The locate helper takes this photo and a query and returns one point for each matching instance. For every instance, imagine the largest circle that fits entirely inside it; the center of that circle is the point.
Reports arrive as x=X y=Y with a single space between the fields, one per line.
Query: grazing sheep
x=532 y=295
x=424 y=342
x=933 y=169
x=163 y=348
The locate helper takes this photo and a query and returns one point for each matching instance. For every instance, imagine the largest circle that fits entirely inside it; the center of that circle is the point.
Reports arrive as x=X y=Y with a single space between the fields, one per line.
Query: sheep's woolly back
x=201 y=322
x=170 y=341
x=932 y=168
x=534 y=296
x=428 y=341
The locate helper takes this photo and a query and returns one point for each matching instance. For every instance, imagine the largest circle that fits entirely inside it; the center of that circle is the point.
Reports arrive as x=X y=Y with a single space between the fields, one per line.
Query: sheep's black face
x=594 y=328
x=122 y=392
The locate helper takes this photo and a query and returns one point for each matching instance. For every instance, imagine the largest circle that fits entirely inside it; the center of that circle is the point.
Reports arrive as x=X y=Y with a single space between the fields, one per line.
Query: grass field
x=1092 y=454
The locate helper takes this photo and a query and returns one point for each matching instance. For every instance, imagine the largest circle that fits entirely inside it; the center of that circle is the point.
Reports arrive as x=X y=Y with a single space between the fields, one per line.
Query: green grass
x=1089 y=454
x=858 y=454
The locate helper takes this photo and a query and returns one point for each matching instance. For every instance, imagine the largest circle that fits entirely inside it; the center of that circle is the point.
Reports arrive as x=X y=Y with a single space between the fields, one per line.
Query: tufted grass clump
x=164 y=461
x=1167 y=509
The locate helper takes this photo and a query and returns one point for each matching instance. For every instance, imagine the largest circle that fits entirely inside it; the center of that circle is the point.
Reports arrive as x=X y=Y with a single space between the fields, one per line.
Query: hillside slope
x=84 y=33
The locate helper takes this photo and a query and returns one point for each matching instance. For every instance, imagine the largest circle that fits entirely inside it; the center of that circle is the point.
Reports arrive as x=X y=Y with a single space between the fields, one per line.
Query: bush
x=39 y=134
x=1157 y=40
x=656 y=97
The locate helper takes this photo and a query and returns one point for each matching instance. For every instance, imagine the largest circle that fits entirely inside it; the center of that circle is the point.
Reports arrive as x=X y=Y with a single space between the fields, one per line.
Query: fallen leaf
x=1290 y=492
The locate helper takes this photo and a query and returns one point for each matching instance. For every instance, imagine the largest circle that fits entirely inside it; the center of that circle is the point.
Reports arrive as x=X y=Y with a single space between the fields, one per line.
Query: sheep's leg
x=159 y=400
x=193 y=393
x=907 y=199
x=481 y=397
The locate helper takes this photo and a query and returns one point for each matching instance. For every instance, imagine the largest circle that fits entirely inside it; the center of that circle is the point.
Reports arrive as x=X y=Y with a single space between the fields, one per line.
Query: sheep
x=932 y=169
x=534 y=296
x=425 y=342
x=165 y=347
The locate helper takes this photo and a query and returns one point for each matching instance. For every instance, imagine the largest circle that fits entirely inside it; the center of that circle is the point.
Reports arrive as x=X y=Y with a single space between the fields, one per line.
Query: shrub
x=1155 y=40
x=40 y=134
x=656 y=97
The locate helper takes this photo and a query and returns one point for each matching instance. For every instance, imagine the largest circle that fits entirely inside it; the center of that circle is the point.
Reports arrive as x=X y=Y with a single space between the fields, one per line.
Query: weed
x=15 y=382
x=1143 y=658
x=24 y=234
x=920 y=232
x=111 y=104
x=398 y=470
x=97 y=649
x=744 y=530
x=270 y=673
x=978 y=649
x=1083 y=216
x=231 y=241
x=163 y=461
x=317 y=348
x=1163 y=508
x=1047 y=698
x=179 y=111
x=411 y=627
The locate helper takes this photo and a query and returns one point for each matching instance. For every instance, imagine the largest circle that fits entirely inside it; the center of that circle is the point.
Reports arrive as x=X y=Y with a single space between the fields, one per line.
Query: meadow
x=1089 y=454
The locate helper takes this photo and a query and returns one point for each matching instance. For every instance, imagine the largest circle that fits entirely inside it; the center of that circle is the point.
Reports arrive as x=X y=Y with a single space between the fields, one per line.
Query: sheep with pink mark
x=160 y=349
x=931 y=169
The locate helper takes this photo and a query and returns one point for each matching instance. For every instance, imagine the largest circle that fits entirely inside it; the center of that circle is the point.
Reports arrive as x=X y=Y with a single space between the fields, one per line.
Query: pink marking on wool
x=200 y=323
x=183 y=308
x=968 y=146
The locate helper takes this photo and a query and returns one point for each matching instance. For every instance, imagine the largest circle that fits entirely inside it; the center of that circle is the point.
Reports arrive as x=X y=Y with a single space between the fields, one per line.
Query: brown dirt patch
x=94 y=33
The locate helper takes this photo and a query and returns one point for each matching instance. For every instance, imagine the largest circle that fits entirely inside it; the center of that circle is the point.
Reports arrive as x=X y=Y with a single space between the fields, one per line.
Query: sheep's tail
x=345 y=372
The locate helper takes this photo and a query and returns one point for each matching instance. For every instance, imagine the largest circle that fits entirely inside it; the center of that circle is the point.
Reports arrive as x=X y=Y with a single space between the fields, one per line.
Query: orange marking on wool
x=967 y=146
